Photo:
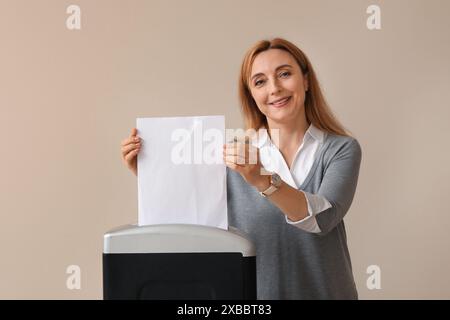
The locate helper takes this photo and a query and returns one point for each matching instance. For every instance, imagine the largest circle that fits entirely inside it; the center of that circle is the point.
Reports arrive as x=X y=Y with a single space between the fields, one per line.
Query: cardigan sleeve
x=315 y=204
x=338 y=185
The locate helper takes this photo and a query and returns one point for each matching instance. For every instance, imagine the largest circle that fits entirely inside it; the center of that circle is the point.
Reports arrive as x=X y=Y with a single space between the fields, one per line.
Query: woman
x=294 y=214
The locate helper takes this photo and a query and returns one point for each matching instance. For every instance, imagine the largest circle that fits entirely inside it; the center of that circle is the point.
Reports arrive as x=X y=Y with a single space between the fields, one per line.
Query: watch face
x=276 y=180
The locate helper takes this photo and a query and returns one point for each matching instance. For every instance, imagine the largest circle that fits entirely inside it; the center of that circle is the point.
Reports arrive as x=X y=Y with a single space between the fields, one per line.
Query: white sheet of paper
x=181 y=173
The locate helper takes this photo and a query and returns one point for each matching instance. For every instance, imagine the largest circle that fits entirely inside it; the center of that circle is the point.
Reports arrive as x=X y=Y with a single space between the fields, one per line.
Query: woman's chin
x=281 y=114
x=279 y=118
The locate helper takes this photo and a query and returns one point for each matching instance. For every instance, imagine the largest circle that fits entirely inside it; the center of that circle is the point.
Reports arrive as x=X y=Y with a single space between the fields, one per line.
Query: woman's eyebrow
x=279 y=67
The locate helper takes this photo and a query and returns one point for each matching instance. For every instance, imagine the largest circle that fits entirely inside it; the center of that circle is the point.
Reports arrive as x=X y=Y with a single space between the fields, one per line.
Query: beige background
x=69 y=97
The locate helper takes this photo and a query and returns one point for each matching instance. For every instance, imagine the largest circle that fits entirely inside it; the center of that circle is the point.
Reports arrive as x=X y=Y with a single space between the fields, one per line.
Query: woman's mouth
x=281 y=103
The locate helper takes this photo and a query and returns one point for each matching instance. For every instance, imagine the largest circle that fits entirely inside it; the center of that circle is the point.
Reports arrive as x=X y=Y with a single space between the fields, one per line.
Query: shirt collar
x=262 y=138
x=316 y=133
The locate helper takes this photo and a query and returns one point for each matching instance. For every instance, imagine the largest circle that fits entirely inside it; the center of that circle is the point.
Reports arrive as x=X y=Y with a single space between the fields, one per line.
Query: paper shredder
x=178 y=262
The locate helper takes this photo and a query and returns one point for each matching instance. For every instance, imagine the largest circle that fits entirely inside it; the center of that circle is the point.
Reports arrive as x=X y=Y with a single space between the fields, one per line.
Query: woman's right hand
x=130 y=149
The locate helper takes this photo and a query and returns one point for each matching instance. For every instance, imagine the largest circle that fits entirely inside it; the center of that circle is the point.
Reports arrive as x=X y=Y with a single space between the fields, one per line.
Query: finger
x=236 y=148
x=130 y=156
x=233 y=166
x=129 y=140
x=252 y=155
x=232 y=143
x=126 y=149
x=133 y=132
x=247 y=152
x=235 y=155
x=245 y=140
x=235 y=159
x=133 y=136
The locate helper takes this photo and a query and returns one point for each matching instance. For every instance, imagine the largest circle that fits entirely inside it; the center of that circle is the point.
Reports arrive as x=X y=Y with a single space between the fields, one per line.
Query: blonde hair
x=317 y=110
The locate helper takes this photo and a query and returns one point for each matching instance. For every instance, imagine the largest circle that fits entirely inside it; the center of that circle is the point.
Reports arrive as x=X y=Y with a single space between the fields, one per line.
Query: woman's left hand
x=243 y=157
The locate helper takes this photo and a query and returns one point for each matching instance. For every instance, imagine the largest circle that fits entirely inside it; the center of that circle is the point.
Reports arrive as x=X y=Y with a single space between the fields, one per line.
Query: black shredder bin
x=178 y=261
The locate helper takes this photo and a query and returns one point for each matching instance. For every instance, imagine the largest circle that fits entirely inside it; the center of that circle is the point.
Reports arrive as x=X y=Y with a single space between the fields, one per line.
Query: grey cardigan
x=292 y=263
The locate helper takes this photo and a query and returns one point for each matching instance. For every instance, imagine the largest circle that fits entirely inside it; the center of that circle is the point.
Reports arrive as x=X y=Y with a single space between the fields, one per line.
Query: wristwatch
x=275 y=184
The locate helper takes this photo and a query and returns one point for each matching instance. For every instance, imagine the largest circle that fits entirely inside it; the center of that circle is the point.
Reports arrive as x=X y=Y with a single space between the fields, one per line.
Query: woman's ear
x=305 y=82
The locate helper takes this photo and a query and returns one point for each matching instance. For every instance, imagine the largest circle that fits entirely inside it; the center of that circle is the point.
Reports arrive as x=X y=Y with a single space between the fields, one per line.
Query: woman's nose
x=274 y=87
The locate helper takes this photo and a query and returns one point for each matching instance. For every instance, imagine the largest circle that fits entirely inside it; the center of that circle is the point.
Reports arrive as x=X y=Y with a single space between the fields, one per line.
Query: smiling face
x=278 y=87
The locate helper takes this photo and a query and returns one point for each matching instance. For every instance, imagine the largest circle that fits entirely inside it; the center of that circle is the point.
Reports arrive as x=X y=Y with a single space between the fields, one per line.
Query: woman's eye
x=283 y=74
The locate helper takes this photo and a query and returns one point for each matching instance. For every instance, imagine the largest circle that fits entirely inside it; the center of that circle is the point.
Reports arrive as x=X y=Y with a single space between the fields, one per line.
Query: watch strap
x=268 y=191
